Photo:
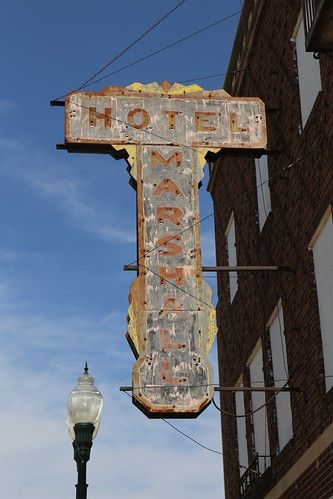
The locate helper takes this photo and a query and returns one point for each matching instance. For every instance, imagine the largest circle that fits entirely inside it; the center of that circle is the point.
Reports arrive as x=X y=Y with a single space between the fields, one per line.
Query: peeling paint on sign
x=166 y=131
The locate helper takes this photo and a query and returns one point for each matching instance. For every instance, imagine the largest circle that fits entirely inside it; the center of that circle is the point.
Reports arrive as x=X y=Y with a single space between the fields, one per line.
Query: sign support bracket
x=238 y=268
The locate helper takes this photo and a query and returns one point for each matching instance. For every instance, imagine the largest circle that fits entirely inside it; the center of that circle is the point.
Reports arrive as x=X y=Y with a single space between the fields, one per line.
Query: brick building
x=277 y=327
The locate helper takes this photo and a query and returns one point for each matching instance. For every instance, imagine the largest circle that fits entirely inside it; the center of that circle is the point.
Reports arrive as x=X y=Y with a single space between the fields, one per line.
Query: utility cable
x=122 y=52
x=284 y=354
x=185 y=435
x=168 y=142
x=208 y=77
x=226 y=384
x=188 y=228
x=176 y=235
x=177 y=287
x=285 y=168
x=198 y=152
x=191 y=438
x=250 y=413
x=156 y=52
x=280 y=328
x=172 y=237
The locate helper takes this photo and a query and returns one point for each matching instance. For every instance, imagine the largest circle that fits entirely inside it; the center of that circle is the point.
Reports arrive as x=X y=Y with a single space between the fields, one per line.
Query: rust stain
x=174 y=114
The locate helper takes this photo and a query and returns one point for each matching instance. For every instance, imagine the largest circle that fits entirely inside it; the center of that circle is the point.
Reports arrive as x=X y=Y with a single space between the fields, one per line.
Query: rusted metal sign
x=164 y=132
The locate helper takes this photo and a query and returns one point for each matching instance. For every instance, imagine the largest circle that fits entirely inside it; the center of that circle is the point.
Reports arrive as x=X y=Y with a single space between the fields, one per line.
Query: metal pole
x=81 y=486
x=230 y=388
x=82 y=445
x=254 y=389
x=238 y=268
x=248 y=268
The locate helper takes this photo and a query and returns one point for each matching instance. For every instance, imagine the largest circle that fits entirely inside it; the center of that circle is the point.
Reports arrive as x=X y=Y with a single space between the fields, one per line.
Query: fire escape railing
x=309 y=12
x=253 y=473
x=318 y=25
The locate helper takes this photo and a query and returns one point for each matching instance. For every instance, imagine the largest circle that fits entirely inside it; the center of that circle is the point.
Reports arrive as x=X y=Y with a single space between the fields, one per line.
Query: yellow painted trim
x=303 y=463
x=149 y=87
x=202 y=151
x=212 y=329
x=175 y=89
x=132 y=327
x=155 y=88
x=131 y=149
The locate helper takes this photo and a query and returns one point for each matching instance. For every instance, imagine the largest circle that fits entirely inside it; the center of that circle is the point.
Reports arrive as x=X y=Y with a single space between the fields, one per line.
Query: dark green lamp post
x=85 y=405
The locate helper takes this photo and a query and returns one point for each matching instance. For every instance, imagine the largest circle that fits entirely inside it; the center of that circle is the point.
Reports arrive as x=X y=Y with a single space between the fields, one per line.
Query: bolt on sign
x=164 y=132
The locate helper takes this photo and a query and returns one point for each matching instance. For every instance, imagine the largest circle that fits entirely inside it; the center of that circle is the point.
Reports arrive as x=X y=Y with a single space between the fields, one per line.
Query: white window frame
x=309 y=79
x=275 y=327
x=230 y=235
x=324 y=282
x=263 y=190
x=243 y=457
x=260 y=420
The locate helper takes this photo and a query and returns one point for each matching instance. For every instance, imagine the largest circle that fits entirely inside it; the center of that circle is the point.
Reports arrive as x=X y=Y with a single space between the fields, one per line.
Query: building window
x=308 y=74
x=322 y=248
x=263 y=192
x=280 y=374
x=260 y=422
x=232 y=257
x=241 y=431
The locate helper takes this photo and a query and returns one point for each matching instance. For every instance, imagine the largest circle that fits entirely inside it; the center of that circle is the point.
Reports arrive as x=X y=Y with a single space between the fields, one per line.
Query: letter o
x=143 y=116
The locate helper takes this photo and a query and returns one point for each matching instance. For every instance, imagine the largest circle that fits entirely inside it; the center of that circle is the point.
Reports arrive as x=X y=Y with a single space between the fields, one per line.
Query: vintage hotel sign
x=164 y=132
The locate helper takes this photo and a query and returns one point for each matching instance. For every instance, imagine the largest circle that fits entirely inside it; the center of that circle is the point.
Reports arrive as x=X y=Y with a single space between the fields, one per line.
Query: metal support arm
x=238 y=268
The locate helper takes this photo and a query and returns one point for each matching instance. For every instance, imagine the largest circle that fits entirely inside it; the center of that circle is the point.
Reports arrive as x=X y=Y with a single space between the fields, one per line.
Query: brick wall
x=300 y=196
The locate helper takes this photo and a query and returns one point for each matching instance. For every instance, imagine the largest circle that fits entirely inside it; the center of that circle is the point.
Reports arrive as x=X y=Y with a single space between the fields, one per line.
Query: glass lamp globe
x=85 y=403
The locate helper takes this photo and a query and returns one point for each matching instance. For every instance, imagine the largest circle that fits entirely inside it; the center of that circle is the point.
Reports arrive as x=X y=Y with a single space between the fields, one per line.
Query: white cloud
x=42 y=351
x=54 y=182
x=132 y=456
x=7 y=256
x=6 y=105
x=10 y=145
x=68 y=193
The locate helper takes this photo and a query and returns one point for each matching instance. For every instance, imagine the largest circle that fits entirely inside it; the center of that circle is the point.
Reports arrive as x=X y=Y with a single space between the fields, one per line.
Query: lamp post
x=84 y=404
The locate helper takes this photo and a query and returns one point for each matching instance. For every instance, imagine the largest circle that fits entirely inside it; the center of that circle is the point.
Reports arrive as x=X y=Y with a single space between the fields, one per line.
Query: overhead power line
x=191 y=438
x=170 y=45
x=185 y=434
x=285 y=168
x=126 y=49
x=171 y=238
x=177 y=287
x=250 y=413
x=208 y=77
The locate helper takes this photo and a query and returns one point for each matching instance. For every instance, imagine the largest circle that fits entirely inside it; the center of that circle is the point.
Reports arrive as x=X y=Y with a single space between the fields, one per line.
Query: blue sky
x=67 y=228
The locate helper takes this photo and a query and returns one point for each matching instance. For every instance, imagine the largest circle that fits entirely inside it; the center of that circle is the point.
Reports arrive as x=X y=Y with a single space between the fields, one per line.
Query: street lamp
x=84 y=404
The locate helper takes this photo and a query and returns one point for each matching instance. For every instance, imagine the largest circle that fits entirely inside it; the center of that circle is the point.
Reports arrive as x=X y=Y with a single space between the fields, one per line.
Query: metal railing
x=309 y=11
x=317 y=17
x=251 y=475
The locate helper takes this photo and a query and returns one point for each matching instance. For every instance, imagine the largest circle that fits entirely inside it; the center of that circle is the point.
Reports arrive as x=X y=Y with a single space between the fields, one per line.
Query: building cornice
x=248 y=25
